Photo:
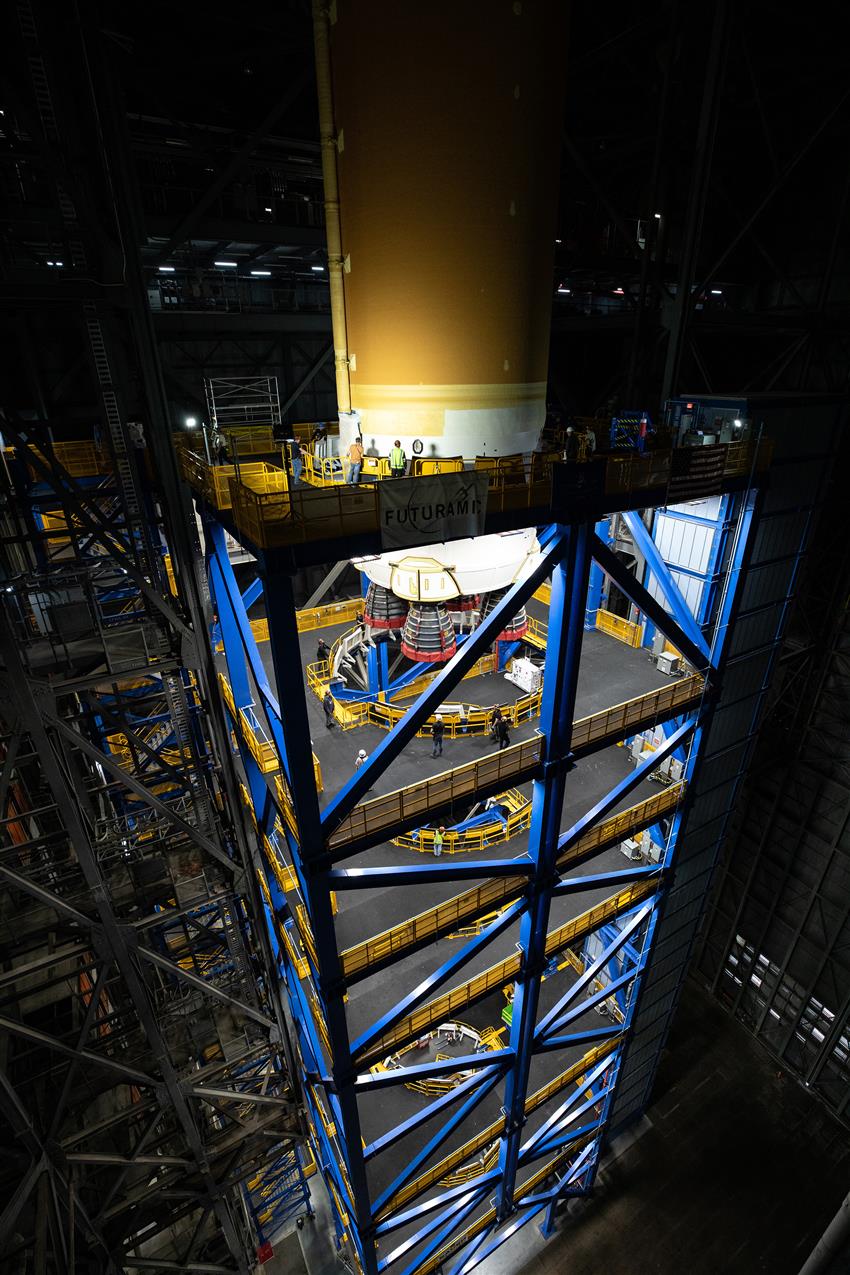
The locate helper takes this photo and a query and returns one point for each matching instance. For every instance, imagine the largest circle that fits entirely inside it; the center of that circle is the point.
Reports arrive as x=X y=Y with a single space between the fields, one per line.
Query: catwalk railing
x=434 y=923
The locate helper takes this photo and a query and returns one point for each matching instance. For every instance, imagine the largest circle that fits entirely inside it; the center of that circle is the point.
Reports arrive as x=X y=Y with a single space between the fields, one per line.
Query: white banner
x=419 y=511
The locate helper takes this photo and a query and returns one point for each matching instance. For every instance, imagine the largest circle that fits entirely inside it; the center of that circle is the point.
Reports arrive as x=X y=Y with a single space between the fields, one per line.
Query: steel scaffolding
x=147 y=1096
x=462 y=1191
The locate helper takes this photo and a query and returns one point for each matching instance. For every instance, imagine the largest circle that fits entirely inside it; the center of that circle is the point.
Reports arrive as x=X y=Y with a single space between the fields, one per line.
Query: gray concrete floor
x=736 y=1170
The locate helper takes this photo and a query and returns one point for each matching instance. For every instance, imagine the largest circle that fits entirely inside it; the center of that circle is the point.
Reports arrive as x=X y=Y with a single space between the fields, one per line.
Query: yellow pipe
x=321 y=41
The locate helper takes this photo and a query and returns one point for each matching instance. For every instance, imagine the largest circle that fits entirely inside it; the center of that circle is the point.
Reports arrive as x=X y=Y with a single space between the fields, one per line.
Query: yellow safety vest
x=397 y=458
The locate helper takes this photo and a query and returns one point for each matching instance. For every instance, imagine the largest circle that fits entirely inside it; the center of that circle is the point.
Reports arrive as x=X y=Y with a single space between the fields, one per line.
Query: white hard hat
x=439 y=717
x=362 y=752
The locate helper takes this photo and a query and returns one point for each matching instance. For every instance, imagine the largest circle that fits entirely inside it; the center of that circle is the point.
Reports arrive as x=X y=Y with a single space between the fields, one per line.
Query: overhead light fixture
x=166 y=270
x=191 y=422
x=618 y=292
x=268 y=210
x=564 y=290
x=226 y=265
x=717 y=292
x=261 y=272
x=50 y=263
x=737 y=422
x=557 y=241
x=657 y=216
x=318 y=269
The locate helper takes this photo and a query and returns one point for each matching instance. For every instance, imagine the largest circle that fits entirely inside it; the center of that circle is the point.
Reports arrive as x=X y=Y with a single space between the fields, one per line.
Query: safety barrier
x=473 y=1041
x=250 y=440
x=612 y=724
x=269 y=516
x=629 y=472
x=607 y=726
x=426 y=466
x=322 y=617
x=499 y=975
x=82 y=459
x=615 y=626
x=487 y=1219
x=477 y=838
x=439 y=1172
x=371 y=817
x=493 y=894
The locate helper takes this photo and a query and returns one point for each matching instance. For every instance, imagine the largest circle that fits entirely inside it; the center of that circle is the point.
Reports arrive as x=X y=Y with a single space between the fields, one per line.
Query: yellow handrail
x=610 y=724
x=615 y=626
x=492 y=894
x=553 y=1087
x=485 y=834
x=417 y=799
x=497 y=976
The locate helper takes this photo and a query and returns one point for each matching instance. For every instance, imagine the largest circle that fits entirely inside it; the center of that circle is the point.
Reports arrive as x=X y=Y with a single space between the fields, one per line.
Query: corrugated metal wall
x=776 y=945
x=804 y=447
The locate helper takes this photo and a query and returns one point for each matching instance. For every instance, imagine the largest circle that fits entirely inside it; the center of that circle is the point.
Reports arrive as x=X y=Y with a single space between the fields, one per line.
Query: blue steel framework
x=456 y=1228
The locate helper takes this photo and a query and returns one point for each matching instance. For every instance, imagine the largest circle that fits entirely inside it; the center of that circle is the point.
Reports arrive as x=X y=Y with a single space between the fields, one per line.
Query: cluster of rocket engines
x=429 y=630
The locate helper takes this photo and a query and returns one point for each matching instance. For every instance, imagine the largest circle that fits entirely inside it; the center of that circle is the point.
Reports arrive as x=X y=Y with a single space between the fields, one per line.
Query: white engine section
x=477 y=565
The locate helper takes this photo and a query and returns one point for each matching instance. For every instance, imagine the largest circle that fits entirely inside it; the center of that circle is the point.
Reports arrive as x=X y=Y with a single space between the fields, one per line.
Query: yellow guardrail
x=611 y=724
x=497 y=976
x=615 y=626
x=375 y=816
x=250 y=440
x=616 y=722
x=422 y=466
x=82 y=459
x=493 y=894
x=330 y=613
x=486 y=834
x=440 y=1172
x=544 y=593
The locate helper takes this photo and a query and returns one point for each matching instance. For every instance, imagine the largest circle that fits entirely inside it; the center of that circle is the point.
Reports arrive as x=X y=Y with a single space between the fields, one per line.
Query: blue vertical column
x=596 y=583
x=315 y=864
x=377 y=666
x=560 y=678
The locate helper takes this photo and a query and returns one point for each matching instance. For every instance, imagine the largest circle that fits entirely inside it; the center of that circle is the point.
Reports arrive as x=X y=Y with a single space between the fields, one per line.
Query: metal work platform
x=544 y=938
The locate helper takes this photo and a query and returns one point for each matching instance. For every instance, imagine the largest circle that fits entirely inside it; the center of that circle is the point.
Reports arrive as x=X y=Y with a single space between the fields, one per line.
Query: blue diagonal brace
x=431 y=699
x=682 y=613
x=426 y=873
x=399 y=1131
x=369 y=1083
x=625 y=786
x=548 y=1021
x=431 y=1147
x=650 y=606
x=421 y=993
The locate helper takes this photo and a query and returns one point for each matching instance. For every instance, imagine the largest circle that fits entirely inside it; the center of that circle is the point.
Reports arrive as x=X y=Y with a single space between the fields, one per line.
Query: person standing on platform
x=398 y=460
x=495 y=718
x=361 y=759
x=329 y=705
x=292 y=452
x=502 y=733
x=437 y=731
x=355 y=460
x=323 y=651
x=571 y=445
x=439 y=835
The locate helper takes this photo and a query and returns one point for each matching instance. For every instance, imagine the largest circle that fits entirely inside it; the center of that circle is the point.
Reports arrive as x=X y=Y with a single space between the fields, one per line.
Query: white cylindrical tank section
x=461 y=568
x=448 y=121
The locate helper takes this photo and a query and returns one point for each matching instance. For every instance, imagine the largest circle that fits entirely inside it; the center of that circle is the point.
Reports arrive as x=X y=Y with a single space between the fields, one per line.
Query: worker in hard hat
x=398 y=460
x=361 y=759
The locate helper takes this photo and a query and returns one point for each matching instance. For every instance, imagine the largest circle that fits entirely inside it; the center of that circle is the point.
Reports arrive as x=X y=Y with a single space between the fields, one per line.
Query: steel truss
x=548 y=1139
x=145 y=1082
